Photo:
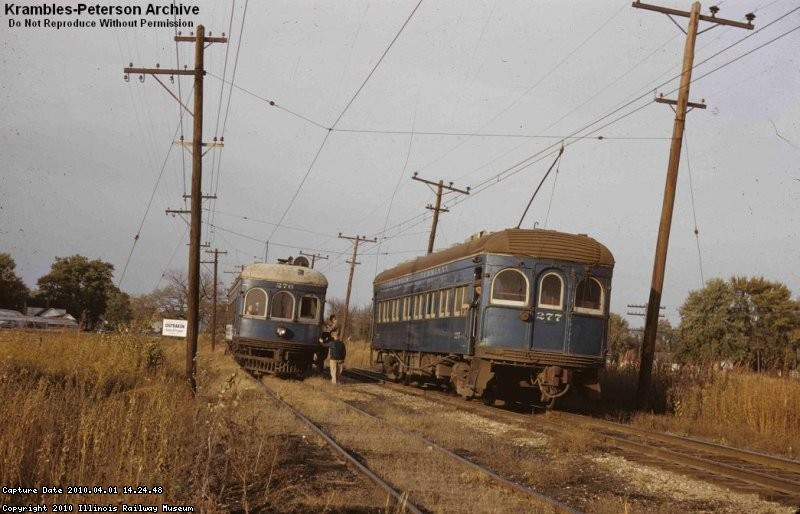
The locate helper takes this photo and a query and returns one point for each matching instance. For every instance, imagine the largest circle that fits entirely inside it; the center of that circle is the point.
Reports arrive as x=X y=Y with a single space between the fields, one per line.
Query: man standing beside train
x=336 y=355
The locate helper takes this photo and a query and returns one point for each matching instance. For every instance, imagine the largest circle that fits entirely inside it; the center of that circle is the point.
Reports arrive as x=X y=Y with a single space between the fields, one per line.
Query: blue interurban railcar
x=503 y=311
x=274 y=316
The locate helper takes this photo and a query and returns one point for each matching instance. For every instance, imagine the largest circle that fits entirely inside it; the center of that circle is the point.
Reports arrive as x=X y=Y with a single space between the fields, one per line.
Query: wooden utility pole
x=657 y=284
x=314 y=257
x=438 y=207
x=193 y=314
x=216 y=253
x=352 y=263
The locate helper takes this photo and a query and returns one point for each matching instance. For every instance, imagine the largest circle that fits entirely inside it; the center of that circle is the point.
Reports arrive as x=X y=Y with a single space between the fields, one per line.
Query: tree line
x=745 y=321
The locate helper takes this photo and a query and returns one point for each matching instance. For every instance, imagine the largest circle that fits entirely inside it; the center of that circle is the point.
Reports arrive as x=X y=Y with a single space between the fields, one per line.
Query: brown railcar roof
x=536 y=243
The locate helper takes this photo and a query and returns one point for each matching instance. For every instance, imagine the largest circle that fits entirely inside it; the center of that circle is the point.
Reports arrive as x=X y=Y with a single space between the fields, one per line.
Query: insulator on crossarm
x=141 y=78
x=126 y=77
x=172 y=79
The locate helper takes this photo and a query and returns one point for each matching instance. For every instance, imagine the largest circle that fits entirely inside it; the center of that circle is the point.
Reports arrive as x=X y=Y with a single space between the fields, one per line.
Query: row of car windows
x=280 y=305
x=509 y=287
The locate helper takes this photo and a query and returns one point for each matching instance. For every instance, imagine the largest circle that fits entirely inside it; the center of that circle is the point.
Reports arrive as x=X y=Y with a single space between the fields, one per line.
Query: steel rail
x=699 y=463
x=401 y=499
x=718 y=449
x=501 y=480
x=749 y=476
x=765 y=482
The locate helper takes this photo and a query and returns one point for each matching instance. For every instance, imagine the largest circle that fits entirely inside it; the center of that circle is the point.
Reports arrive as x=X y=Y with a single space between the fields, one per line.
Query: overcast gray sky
x=84 y=152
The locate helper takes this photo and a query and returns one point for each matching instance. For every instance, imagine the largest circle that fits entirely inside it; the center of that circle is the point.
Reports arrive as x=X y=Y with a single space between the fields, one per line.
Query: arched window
x=309 y=307
x=589 y=296
x=551 y=291
x=282 y=305
x=510 y=287
x=255 y=303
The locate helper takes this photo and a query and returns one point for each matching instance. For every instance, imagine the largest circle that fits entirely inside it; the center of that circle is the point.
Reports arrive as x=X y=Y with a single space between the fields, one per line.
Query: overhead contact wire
x=328 y=133
x=694 y=210
x=380 y=60
x=147 y=210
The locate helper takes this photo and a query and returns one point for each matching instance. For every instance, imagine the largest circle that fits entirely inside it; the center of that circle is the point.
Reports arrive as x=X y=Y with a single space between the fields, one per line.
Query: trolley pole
x=193 y=314
x=216 y=253
x=352 y=263
x=659 y=264
x=438 y=208
x=314 y=257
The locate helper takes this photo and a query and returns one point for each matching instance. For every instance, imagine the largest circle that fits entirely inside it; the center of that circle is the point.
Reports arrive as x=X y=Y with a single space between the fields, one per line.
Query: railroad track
x=401 y=499
x=528 y=500
x=772 y=478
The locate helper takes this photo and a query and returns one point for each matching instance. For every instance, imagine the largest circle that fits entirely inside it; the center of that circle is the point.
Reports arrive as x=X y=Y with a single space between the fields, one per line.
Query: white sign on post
x=174 y=327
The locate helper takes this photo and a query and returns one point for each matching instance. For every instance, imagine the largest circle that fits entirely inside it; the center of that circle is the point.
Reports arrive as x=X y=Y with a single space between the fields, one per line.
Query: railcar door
x=549 y=312
x=504 y=314
x=589 y=319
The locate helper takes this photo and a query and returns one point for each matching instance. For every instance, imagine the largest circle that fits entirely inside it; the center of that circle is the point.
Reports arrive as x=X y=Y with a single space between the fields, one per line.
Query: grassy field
x=92 y=410
x=115 y=411
x=737 y=408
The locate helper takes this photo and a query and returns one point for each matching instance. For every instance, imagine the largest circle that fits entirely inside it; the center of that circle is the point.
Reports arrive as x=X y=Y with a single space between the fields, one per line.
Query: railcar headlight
x=283 y=332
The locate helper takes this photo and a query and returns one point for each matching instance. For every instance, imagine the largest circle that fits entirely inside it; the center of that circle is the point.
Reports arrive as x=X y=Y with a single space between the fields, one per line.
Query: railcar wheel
x=393 y=368
x=551 y=394
x=458 y=378
x=489 y=395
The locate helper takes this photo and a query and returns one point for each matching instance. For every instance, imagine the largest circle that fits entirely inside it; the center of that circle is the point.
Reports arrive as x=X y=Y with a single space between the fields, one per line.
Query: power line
x=500 y=176
x=248 y=218
x=251 y=238
x=215 y=179
x=746 y=54
x=380 y=60
x=484 y=134
x=532 y=87
x=328 y=133
x=271 y=103
x=694 y=210
x=149 y=204
x=299 y=187
x=399 y=181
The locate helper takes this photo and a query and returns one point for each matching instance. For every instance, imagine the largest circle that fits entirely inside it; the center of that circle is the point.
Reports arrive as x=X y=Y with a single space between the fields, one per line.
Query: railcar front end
x=274 y=316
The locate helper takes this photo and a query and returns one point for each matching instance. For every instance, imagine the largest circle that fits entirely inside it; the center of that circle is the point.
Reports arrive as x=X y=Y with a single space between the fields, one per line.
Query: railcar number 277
x=549 y=317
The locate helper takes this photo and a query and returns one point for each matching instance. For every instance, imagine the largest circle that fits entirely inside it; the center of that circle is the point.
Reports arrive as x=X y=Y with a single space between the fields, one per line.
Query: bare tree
x=171 y=301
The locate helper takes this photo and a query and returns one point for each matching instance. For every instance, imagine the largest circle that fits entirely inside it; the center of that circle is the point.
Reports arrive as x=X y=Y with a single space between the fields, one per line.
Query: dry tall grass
x=115 y=411
x=358 y=354
x=740 y=408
